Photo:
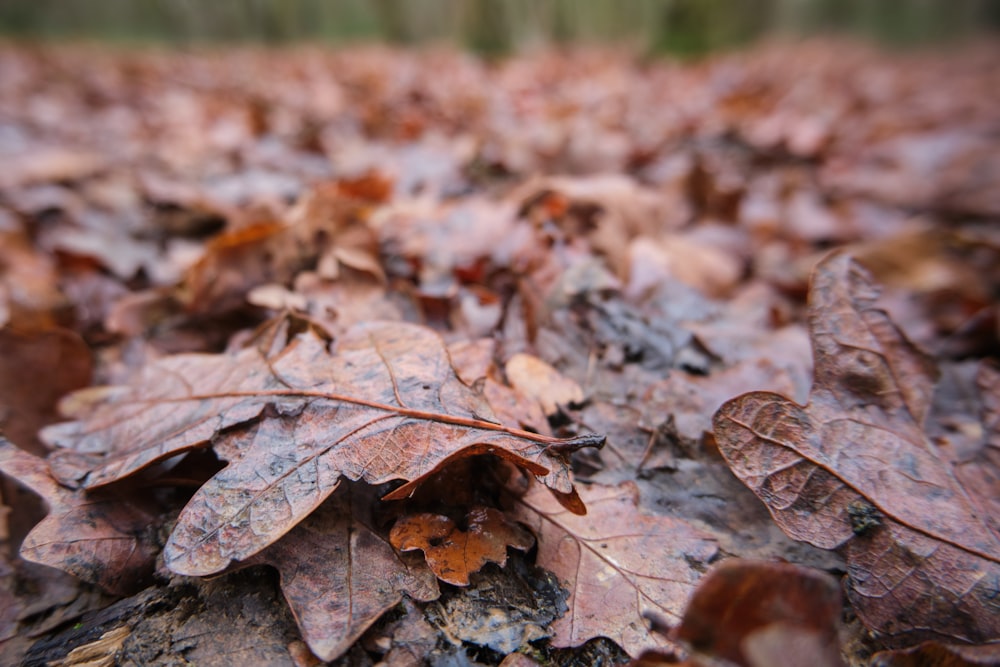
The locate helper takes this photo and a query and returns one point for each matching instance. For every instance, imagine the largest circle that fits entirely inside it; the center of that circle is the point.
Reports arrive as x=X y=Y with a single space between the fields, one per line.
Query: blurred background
x=500 y=26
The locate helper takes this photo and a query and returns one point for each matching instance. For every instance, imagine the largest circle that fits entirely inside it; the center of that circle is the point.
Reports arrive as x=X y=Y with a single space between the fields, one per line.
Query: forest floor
x=393 y=357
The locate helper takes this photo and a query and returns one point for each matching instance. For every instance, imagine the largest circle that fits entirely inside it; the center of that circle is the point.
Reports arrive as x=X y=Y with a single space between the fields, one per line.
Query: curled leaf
x=760 y=614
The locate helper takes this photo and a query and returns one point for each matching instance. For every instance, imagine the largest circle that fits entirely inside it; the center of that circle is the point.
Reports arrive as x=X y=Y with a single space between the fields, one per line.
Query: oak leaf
x=339 y=575
x=385 y=404
x=853 y=470
x=617 y=563
x=453 y=553
x=102 y=540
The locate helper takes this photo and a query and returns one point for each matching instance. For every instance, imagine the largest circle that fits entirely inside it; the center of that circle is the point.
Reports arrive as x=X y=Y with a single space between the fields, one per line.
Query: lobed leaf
x=339 y=575
x=454 y=553
x=386 y=404
x=102 y=540
x=617 y=563
x=854 y=470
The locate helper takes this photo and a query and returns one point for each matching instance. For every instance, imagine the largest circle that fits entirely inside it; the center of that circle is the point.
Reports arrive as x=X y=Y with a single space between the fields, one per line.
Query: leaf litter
x=373 y=338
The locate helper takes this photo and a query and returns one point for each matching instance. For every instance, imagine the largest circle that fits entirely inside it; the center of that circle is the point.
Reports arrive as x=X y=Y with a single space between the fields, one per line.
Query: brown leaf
x=453 y=553
x=339 y=575
x=935 y=654
x=854 y=470
x=538 y=380
x=57 y=360
x=29 y=291
x=101 y=540
x=385 y=405
x=692 y=399
x=617 y=563
x=761 y=614
x=173 y=405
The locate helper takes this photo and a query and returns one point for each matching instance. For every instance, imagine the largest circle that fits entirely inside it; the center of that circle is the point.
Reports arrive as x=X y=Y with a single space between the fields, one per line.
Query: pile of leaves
x=488 y=360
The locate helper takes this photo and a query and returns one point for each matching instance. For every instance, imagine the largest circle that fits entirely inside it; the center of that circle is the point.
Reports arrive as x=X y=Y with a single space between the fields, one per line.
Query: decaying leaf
x=453 y=553
x=385 y=404
x=103 y=540
x=853 y=470
x=57 y=359
x=935 y=654
x=617 y=563
x=760 y=614
x=340 y=575
x=540 y=381
x=175 y=404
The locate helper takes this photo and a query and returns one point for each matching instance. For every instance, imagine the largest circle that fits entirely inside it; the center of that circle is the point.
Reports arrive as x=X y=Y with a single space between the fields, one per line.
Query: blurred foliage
x=497 y=26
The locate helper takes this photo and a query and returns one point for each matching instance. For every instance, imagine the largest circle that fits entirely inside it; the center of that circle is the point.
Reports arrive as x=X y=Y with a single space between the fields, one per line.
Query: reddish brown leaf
x=385 y=405
x=761 y=614
x=854 y=470
x=105 y=541
x=692 y=399
x=935 y=654
x=29 y=293
x=617 y=563
x=453 y=553
x=57 y=360
x=174 y=404
x=339 y=575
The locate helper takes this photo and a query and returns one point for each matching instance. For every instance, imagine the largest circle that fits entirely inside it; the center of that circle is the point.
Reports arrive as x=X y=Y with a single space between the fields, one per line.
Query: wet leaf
x=617 y=563
x=173 y=405
x=103 y=540
x=452 y=552
x=339 y=574
x=57 y=359
x=760 y=614
x=385 y=405
x=853 y=470
x=935 y=654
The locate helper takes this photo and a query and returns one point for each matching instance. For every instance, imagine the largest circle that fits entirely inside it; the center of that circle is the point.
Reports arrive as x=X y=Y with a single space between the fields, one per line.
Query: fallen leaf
x=538 y=380
x=339 y=575
x=58 y=360
x=123 y=429
x=936 y=654
x=385 y=405
x=102 y=540
x=853 y=470
x=617 y=563
x=453 y=552
x=692 y=399
x=759 y=614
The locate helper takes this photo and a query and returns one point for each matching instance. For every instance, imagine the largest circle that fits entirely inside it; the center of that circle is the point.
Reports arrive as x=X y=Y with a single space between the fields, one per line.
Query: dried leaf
x=101 y=540
x=935 y=654
x=617 y=563
x=453 y=553
x=173 y=405
x=538 y=380
x=854 y=470
x=385 y=405
x=340 y=575
x=57 y=360
x=761 y=614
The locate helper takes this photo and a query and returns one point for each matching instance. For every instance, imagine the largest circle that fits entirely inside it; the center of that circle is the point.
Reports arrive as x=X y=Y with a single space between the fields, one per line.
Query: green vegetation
x=496 y=26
